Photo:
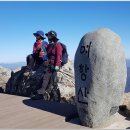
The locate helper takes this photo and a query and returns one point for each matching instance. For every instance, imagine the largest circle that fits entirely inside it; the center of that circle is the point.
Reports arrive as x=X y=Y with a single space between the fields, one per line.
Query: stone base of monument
x=105 y=123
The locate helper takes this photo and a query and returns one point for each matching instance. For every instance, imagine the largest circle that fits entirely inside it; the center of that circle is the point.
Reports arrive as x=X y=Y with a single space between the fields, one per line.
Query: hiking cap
x=39 y=33
x=52 y=33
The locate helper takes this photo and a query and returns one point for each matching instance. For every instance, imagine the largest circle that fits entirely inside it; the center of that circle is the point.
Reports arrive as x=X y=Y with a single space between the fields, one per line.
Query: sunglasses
x=39 y=37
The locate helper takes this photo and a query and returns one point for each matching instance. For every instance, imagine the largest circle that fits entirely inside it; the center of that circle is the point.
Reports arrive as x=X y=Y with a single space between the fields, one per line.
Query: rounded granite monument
x=100 y=76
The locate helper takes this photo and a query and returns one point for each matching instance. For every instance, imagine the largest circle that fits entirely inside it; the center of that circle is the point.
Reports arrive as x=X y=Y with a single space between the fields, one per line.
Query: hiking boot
x=46 y=96
x=37 y=97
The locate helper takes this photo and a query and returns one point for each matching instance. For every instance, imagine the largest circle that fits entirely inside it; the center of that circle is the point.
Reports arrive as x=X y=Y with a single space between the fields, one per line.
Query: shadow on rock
x=124 y=112
x=67 y=110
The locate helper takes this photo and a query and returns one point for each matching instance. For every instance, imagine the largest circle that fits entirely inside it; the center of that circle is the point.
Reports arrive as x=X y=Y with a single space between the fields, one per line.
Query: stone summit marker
x=100 y=77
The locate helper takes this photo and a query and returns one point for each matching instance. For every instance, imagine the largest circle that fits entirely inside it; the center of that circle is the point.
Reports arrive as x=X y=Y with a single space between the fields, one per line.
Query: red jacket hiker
x=54 y=51
x=42 y=46
x=39 y=51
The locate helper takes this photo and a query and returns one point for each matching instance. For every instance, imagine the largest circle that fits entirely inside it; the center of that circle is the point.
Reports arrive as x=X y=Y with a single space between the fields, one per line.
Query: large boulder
x=66 y=83
x=61 y=88
x=5 y=74
x=100 y=77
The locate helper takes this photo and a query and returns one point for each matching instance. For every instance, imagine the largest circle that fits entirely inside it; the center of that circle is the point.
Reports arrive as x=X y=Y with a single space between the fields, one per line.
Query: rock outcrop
x=100 y=77
x=5 y=74
x=60 y=89
x=125 y=104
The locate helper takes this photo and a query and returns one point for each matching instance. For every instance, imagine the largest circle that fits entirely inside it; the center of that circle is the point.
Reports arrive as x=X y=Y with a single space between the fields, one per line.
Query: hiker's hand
x=57 y=68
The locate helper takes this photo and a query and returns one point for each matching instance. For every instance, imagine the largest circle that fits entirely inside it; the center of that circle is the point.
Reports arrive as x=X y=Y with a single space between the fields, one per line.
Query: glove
x=57 y=68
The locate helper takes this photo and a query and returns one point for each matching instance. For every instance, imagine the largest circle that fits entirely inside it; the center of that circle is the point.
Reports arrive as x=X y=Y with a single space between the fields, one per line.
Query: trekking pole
x=66 y=73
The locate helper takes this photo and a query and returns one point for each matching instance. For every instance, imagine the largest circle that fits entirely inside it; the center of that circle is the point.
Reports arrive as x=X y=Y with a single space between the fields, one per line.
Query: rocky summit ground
x=22 y=113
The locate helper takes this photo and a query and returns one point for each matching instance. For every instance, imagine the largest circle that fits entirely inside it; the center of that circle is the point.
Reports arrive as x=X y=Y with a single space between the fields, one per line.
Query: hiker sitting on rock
x=39 y=51
x=54 y=51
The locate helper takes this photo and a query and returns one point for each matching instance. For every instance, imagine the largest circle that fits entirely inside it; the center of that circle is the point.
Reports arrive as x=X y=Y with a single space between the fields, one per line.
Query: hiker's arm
x=34 y=48
x=58 y=55
x=46 y=44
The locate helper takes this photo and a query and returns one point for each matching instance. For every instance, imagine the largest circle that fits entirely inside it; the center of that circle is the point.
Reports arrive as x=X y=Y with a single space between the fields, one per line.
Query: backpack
x=64 y=58
x=44 y=49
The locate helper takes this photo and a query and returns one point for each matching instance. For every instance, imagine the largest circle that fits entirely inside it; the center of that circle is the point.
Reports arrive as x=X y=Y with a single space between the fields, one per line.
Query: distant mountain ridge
x=20 y=64
x=127 y=89
x=128 y=62
x=13 y=66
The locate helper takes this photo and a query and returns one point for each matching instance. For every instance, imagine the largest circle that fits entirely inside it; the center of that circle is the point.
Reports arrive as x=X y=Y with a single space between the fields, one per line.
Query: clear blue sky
x=71 y=20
